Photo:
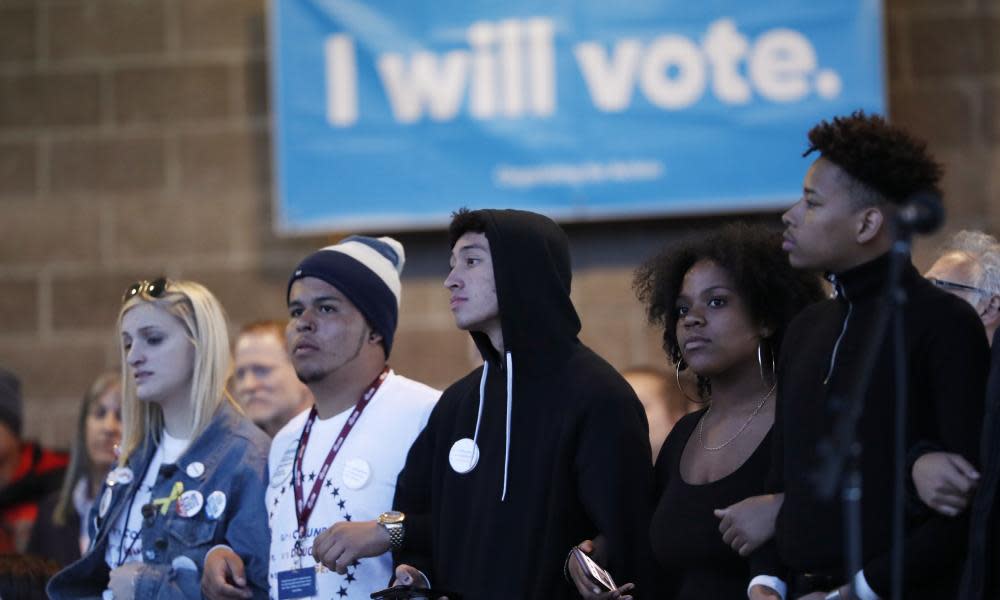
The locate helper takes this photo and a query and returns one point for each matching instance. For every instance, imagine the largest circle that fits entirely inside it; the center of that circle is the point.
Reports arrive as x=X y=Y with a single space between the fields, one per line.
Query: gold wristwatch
x=393 y=523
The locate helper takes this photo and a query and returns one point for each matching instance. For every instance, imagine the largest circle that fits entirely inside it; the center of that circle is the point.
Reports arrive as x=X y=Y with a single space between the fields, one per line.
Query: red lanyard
x=303 y=510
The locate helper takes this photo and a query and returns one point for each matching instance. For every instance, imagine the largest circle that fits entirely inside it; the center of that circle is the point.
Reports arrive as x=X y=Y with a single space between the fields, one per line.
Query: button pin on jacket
x=195 y=470
x=215 y=504
x=464 y=456
x=190 y=503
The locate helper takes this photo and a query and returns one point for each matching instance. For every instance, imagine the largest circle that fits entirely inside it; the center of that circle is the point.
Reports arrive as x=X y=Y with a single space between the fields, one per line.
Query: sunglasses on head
x=152 y=289
x=951 y=285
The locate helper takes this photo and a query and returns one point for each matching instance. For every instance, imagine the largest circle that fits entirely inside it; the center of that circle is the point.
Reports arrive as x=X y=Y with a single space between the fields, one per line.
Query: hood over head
x=531 y=268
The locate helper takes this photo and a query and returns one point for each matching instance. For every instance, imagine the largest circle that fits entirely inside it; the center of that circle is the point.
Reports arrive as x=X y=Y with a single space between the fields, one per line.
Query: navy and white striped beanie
x=366 y=270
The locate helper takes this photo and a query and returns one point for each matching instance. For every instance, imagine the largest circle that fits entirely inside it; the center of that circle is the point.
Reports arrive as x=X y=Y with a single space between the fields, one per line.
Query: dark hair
x=771 y=289
x=887 y=164
x=272 y=326
x=463 y=221
x=24 y=577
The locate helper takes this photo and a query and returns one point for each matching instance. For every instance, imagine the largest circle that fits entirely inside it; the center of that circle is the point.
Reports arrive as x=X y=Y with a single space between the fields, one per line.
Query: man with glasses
x=970 y=269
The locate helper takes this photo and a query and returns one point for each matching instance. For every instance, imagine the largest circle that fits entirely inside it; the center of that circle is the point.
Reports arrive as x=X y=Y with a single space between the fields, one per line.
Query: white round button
x=464 y=456
x=357 y=472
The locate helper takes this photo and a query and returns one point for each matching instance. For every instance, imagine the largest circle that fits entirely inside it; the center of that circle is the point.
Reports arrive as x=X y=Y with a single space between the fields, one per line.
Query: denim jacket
x=233 y=452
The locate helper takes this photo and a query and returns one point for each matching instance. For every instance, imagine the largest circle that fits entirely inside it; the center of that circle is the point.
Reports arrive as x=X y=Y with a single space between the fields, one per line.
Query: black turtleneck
x=948 y=361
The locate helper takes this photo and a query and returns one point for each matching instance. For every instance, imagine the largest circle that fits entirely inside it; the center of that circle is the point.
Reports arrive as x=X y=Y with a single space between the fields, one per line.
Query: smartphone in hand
x=593 y=571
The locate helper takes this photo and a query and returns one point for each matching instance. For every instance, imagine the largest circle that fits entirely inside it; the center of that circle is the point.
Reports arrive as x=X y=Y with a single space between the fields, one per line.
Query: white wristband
x=769 y=581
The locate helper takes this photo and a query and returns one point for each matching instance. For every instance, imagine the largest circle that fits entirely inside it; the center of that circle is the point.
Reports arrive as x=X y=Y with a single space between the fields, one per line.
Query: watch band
x=395 y=535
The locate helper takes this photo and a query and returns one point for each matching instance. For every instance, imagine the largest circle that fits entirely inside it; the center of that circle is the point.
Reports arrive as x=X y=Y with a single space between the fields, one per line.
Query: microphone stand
x=840 y=453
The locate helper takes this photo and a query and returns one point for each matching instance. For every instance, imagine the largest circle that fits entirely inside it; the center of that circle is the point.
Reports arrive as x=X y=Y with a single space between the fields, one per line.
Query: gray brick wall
x=134 y=141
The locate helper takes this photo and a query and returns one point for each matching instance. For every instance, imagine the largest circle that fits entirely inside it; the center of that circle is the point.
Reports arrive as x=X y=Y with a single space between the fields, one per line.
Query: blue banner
x=391 y=114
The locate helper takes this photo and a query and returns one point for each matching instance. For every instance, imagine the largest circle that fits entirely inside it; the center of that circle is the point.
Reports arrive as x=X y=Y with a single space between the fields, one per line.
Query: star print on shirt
x=336 y=491
x=347 y=518
x=342 y=592
x=329 y=483
x=341 y=504
x=312 y=476
x=350 y=577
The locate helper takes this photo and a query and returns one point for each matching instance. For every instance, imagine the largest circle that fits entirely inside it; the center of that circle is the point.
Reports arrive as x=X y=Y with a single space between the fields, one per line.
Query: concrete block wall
x=135 y=141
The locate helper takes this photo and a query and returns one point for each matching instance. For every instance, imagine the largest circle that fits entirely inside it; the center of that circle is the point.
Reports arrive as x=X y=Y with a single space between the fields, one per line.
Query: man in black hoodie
x=842 y=225
x=541 y=447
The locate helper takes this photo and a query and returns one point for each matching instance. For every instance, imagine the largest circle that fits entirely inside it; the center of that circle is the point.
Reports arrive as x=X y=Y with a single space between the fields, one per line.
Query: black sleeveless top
x=693 y=561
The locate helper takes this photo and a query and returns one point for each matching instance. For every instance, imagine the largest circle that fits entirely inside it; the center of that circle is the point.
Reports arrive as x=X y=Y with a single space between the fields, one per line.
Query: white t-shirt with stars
x=378 y=444
x=126 y=546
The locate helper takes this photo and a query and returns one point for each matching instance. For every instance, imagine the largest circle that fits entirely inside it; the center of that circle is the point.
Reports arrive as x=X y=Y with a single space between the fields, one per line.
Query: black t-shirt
x=693 y=560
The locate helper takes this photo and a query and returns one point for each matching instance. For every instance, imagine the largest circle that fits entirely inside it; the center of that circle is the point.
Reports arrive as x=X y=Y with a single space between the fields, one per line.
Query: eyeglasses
x=153 y=289
x=951 y=285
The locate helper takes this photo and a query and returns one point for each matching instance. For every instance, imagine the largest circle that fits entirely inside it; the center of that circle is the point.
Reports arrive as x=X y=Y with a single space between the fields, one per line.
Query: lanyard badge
x=304 y=505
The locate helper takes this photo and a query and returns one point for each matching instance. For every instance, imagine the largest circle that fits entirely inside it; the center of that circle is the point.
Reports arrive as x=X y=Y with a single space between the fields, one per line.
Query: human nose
x=111 y=423
x=452 y=281
x=304 y=322
x=692 y=318
x=787 y=218
x=250 y=381
x=134 y=356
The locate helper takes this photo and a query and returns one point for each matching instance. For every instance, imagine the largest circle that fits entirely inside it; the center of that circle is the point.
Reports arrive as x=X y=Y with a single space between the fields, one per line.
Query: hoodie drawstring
x=479 y=416
x=510 y=396
x=482 y=394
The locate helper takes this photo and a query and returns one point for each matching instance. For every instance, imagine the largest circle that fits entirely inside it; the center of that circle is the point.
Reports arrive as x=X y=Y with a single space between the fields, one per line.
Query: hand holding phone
x=593 y=571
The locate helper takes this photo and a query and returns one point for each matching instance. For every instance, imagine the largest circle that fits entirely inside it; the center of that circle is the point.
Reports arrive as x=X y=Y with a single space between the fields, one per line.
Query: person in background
x=28 y=472
x=62 y=516
x=264 y=379
x=969 y=268
x=664 y=401
x=192 y=470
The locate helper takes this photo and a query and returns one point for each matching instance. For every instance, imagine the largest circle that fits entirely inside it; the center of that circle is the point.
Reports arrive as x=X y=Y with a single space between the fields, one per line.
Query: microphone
x=922 y=212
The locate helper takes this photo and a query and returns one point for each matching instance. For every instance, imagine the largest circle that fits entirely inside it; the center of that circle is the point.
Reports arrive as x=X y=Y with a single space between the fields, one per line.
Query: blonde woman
x=191 y=474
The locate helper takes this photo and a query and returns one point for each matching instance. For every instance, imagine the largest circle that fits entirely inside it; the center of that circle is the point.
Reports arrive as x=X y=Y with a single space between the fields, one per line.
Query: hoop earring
x=677 y=377
x=760 y=364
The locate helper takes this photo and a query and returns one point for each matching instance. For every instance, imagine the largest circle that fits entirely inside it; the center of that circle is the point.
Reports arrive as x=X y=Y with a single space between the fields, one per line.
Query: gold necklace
x=701 y=424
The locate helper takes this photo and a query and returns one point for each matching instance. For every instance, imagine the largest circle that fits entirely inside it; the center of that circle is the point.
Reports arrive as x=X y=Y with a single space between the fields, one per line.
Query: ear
x=870 y=224
x=374 y=337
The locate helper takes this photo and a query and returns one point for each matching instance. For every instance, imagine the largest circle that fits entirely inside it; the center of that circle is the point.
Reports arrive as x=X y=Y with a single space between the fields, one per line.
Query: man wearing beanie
x=28 y=472
x=333 y=468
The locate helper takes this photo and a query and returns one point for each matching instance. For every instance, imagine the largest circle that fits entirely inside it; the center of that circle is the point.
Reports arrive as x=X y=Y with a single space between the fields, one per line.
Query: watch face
x=391 y=517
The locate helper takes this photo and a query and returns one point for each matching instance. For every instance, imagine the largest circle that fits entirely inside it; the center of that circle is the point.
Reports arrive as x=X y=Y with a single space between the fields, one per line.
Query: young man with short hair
x=843 y=225
x=541 y=447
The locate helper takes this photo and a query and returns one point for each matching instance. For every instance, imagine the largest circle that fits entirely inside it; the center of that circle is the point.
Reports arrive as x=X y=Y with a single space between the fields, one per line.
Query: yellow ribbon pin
x=164 y=503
